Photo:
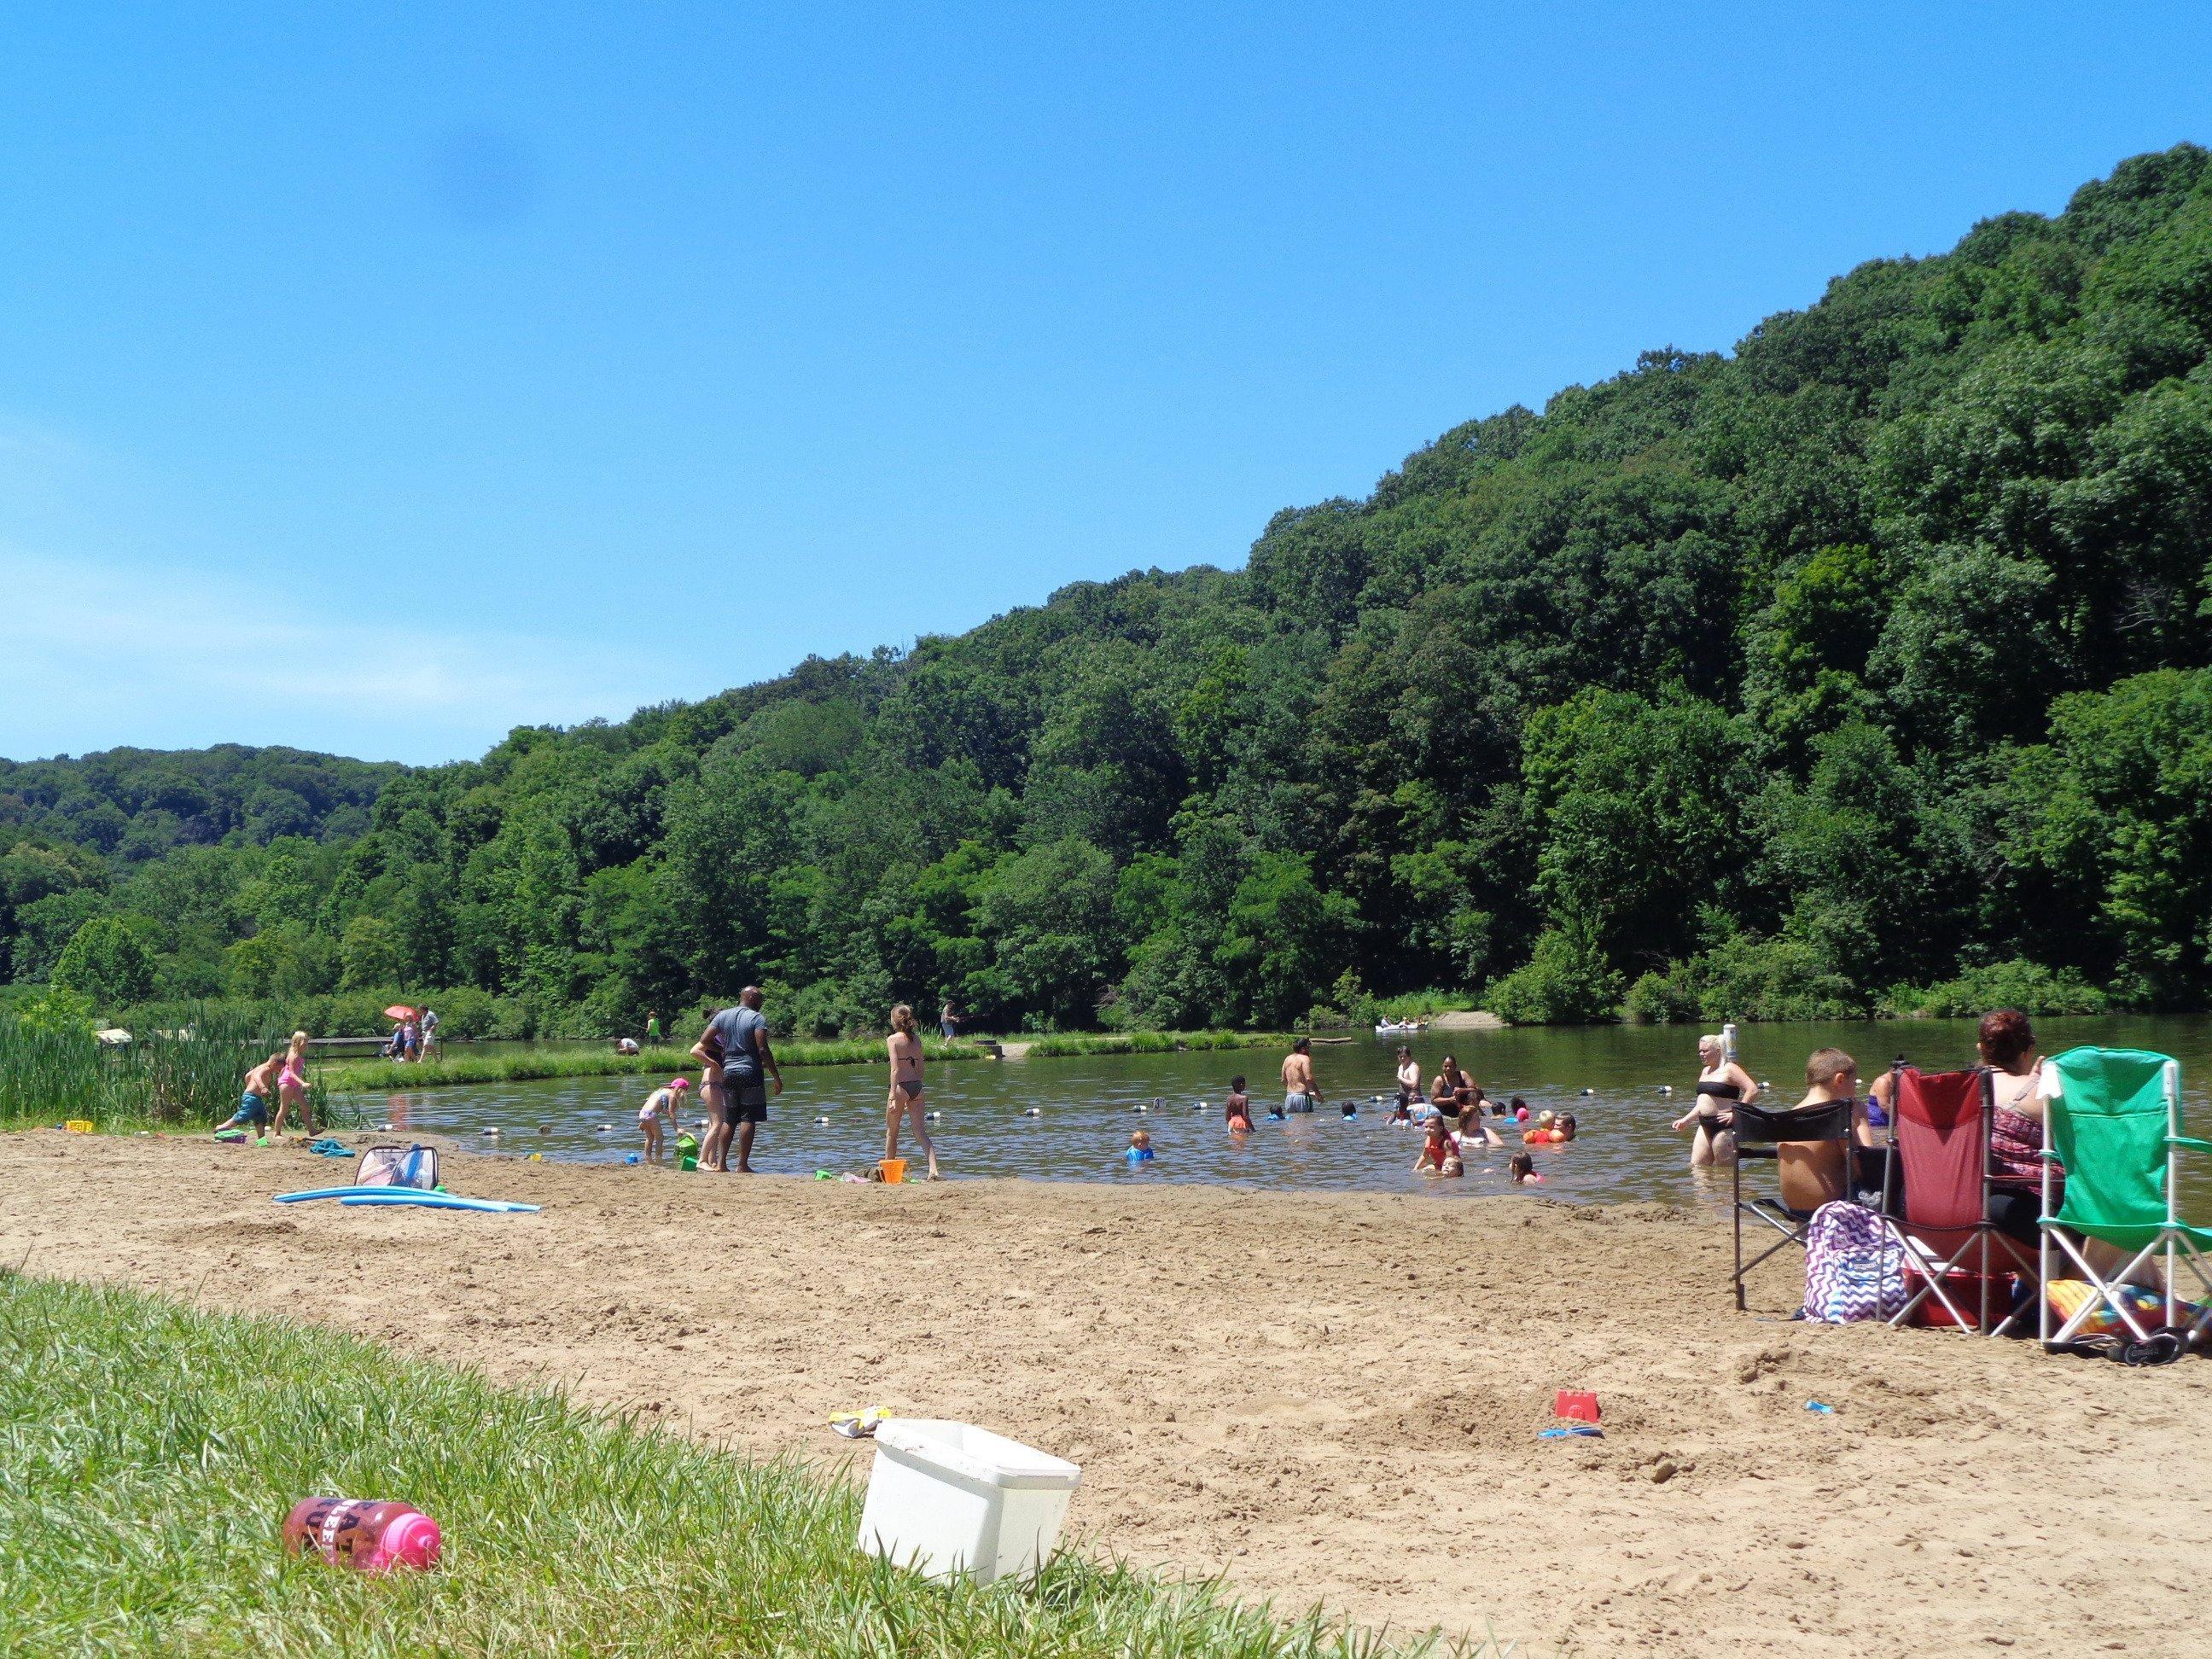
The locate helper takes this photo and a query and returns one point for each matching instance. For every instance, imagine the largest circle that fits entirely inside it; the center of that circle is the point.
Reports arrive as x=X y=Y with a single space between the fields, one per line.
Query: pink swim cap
x=679 y=1083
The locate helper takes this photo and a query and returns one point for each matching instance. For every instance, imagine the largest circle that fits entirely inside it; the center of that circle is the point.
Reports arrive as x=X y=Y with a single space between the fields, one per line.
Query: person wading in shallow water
x=903 y=1047
x=1299 y=1094
x=737 y=1037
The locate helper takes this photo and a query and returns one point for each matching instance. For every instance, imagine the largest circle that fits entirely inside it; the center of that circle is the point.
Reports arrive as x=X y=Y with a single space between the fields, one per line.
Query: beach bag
x=398 y=1166
x=1853 y=1270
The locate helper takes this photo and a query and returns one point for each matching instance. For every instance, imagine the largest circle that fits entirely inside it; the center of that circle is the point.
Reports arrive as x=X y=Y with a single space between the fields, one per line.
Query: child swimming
x=1523 y=1169
x=1141 y=1147
x=1439 y=1156
x=1239 y=1111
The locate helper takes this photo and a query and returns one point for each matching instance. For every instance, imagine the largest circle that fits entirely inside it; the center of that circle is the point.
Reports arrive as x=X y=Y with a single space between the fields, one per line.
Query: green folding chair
x=2115 y=1127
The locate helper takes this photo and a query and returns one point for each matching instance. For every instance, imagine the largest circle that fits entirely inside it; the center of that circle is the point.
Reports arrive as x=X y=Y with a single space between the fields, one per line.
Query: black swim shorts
x=745 y=1099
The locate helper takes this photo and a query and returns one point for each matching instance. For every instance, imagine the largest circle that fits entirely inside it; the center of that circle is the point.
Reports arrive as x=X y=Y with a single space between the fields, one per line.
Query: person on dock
x=904 y=1048
x=736 y=1041
x=1299 y=1093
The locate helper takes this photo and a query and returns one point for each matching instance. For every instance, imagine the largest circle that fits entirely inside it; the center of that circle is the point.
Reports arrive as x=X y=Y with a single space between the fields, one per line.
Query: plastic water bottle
x=369 y=1534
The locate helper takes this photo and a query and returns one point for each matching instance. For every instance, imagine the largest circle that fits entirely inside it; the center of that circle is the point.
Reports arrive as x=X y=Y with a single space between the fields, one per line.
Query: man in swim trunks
x=1299 y=1094
x=739 y=1106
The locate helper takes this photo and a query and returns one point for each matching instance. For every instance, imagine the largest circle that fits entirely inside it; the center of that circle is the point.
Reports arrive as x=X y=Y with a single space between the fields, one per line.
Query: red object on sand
x=1583 y=1407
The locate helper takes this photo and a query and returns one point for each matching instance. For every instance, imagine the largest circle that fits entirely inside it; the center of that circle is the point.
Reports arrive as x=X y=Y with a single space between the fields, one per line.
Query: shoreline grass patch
x=148 y=1452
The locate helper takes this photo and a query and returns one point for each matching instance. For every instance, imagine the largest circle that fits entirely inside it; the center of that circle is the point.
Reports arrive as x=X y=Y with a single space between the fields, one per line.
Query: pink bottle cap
x=412 y=1541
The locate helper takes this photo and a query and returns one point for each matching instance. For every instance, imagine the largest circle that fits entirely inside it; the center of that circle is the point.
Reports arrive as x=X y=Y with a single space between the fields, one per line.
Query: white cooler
x=946 y=1498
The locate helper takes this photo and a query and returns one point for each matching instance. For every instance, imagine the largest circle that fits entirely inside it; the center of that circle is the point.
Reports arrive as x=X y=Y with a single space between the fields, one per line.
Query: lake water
x=1088 y=1107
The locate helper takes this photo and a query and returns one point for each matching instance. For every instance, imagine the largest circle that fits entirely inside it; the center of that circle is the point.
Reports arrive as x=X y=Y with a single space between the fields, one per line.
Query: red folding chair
x=1935 y=1197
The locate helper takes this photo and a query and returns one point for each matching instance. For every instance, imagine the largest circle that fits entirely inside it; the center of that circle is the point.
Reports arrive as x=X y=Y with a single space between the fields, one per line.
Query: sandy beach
x=1326 y=1397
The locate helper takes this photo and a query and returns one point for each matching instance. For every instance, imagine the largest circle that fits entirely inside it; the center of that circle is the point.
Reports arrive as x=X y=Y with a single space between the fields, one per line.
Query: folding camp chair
x=1935 y=1201
x=1760 y=1133
x=2114 y=1124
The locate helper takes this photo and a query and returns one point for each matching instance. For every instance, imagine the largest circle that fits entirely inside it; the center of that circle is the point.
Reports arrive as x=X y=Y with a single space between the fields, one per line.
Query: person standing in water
x=1409 y=1079
x=1722 y=1083
x=1299 y=1093
x=739 y=1106
x=904 y=1049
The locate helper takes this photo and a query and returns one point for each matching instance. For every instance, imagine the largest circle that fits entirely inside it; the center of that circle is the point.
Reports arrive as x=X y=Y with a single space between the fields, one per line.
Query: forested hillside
x=1808 y=676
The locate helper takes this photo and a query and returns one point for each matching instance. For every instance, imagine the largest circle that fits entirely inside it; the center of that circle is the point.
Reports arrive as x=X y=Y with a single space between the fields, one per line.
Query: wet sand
x=1331 y=1397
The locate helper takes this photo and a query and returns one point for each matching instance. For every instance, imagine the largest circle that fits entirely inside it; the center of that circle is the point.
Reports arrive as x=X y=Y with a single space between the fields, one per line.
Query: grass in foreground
x=148 y=1452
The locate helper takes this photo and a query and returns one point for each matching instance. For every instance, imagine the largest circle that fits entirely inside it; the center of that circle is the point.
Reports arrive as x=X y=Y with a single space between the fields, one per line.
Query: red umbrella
x=400 y=1010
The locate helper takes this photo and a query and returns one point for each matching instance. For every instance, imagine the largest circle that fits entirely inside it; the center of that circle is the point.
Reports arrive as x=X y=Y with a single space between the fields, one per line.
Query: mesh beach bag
x=398 y=1166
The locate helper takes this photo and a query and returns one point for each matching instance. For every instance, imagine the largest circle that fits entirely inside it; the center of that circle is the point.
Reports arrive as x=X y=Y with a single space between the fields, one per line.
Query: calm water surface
x=1089 y=1105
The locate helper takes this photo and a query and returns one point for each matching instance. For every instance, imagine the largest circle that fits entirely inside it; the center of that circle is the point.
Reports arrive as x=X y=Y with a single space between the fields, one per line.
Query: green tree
x=105 y=961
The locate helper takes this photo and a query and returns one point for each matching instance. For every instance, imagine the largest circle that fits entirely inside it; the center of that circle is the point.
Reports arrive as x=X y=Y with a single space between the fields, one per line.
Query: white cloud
x=94 y=655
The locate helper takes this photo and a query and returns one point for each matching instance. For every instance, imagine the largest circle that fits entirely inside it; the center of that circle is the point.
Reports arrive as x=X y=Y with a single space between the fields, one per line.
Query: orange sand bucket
x=894 y=1170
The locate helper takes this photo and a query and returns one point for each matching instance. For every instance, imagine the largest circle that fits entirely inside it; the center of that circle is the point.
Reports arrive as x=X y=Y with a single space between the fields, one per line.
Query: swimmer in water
x=1523 y=1169
x=1141 y=1146
x=1436 y=1151
x=1239 y=1112
x=1721 y=1086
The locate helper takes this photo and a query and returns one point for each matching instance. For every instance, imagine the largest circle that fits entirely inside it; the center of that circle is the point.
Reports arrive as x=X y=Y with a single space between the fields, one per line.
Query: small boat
x=1399 y=1028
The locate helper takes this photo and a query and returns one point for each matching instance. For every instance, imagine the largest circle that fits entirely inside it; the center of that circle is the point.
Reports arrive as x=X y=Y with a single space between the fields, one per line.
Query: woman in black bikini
x=1722 y=1083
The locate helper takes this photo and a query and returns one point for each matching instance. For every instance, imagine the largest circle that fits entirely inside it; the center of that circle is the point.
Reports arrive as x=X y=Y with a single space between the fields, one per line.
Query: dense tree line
x=1864 y=666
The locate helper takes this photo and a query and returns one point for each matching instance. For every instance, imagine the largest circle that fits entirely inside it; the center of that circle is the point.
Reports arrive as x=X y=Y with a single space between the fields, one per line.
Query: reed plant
x=184 y=1075
x=149 y=1452
x=523 y=1065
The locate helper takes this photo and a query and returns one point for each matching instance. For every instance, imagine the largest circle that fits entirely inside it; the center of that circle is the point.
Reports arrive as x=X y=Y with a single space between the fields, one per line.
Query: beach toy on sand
x=1579 y=1431
x=1823 y=1409
x=1579 y=1405
x=369 y=1535
x=79 y=1126
x=858 y=1426
x=231 y=1136
x=894 y=1170
x=629 y=1158
x=535 y=1158
x=392 y=1197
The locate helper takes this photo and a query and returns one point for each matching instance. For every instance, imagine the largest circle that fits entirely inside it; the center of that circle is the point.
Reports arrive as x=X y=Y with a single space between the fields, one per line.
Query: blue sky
x=376 y=383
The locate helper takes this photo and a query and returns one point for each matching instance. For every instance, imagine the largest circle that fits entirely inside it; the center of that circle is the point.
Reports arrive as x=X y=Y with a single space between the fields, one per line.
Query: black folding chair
x=1760 y=1133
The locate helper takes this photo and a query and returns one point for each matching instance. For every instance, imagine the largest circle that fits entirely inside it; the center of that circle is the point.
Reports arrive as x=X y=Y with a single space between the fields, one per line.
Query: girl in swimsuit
x=904 y=1049
x=292 y=1087
x=1721 y=1084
